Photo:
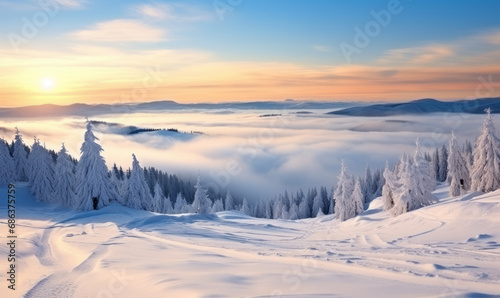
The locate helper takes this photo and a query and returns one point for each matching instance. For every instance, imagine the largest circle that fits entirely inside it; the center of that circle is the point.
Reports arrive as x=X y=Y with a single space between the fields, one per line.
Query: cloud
x=418 y=55
x=71 y=3
x=322 y=48
x=178 y=12
x=35 y=5
x=125 y=30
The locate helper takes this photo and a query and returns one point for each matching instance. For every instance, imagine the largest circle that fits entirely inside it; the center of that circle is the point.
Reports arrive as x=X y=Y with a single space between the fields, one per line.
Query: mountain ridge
x=423 y=106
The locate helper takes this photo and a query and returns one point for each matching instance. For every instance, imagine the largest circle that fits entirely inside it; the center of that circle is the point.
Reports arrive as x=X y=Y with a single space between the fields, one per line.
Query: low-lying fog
x=253 y=155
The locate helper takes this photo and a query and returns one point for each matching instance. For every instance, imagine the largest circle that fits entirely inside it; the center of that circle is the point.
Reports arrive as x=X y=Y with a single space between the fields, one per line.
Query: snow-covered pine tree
x=485 y=174
x=268 y=209
x=277 y=208
x=435 y=165
x=368 y=189
x=168 y=207
x=218 y=206
x=6 y=164
x=42 y=174
x=118 y=185
x=245 y=208
x=284 y=212
x=326 y=199
x=92 y=175
x=158 y=202
x=425 y=185
x=402 y=196
x=342 y=194
x=201 y=203
x=331 y=205
x=123 y=188
x=138 y=195
x=443 y=164
x=303 y=209
x=229 y=202
x=458 y=171
x=467 y=154
x=20 y=158
x=356 y=200
x=390 y=189
x=65 y=179
x=181 y=206
x=317 y=205
x=293 y=212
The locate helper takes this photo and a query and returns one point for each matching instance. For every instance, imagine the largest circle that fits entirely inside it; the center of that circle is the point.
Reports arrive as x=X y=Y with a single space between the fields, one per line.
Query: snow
x=448 y=249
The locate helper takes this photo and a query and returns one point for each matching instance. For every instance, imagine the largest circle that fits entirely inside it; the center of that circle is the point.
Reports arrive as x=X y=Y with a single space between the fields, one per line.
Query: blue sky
x=301 y=36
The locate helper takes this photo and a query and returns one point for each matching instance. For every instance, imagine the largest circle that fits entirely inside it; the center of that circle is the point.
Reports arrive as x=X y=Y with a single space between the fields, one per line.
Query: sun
x=48 y=83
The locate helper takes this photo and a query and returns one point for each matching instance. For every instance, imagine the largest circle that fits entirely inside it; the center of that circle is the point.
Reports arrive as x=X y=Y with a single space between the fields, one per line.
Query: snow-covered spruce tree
x=65 y=179
x=467 y=154
x=201 y=203
x=42 y=174
x=390 y=189
x=92 y=175
x=118 y=185
x=245 y=208
x=138 y=195
x=331 y=205
x=485 y=173
x=458 y=171
x=368 y=189
x=435 y=165
x=342 y=194
x=229 y=202
x=318 y=205
x=168 y=207
x=20 y=158
x=284 y=212
x=277 y=208
x=356 y=201
x=181 y=206
x=6 y=164
x=268 y=209
x=443 y=164
x=293 y=212
x=123 y=188
x=424 y=184
x=218 y=206
x=303 y=209
x=158 y=201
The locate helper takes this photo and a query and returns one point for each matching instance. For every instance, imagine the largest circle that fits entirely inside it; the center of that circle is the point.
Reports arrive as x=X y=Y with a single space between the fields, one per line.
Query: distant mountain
x=79 y=109
x=423 y=106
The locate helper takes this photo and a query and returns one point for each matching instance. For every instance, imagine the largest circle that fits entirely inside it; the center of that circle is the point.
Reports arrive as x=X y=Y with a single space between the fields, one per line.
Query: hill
x=449 y=249
x=423 y=106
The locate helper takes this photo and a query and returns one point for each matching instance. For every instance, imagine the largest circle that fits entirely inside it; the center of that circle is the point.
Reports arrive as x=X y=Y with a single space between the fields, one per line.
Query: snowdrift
x=449 y=249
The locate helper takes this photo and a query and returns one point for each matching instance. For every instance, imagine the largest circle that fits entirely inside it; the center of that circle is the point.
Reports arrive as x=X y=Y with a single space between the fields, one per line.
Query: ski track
x=317 y=244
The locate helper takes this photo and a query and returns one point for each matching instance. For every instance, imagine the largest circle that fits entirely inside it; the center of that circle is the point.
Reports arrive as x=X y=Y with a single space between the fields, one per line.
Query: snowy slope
x=448 y=249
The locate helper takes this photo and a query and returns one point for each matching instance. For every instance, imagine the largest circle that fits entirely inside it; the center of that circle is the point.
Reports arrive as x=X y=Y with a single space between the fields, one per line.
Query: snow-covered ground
x=448 y=249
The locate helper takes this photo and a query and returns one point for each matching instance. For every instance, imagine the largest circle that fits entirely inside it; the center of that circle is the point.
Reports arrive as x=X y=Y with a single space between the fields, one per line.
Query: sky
x=89 y=51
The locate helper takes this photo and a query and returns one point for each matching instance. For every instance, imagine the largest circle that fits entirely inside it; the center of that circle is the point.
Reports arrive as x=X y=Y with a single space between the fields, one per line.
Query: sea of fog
x=253 y=155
